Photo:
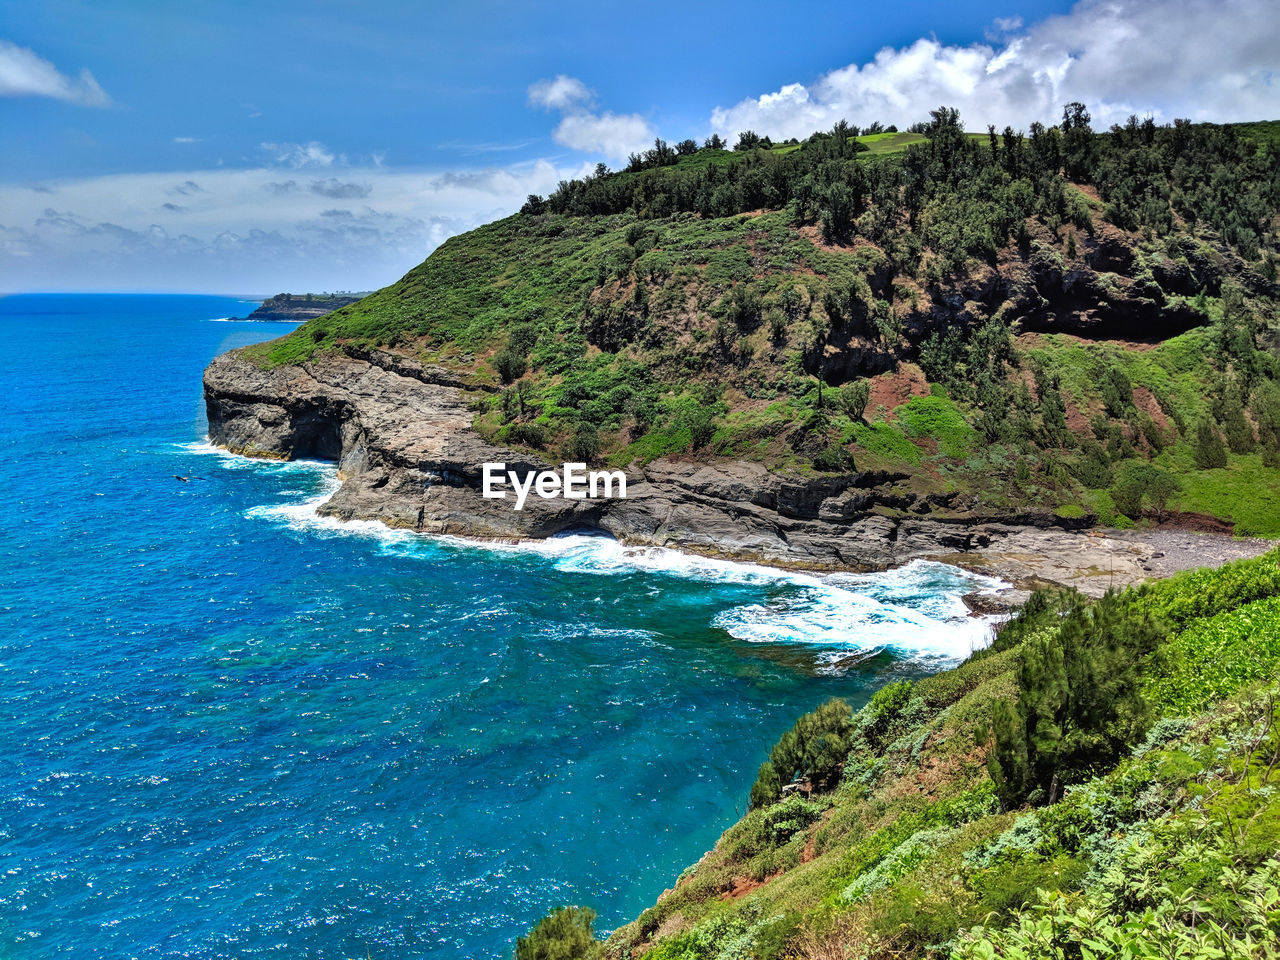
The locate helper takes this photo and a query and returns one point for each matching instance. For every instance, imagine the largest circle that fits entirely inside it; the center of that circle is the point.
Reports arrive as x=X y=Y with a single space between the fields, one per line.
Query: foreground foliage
x=1157 y=713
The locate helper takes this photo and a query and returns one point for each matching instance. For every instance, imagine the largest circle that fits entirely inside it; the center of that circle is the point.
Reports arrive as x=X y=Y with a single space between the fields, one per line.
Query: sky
x=307 y=145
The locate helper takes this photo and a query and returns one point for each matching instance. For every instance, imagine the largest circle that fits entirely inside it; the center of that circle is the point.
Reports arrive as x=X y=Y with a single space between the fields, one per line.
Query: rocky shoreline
x=401 y=434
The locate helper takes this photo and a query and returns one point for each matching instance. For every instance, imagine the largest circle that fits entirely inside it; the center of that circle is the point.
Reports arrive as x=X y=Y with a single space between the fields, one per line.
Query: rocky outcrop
x=401 y=434
x=299 y=308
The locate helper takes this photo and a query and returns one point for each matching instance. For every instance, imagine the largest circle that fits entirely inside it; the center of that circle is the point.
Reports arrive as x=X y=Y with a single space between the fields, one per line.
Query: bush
x=1142 y=483
x=916 y=920
x=937 y=417
x=563 y=934
x=881 y=714
x=742 y=308
x=1079 y=705
x=833 y=458
x=816 y=748
x=509 y=364
x=777 y=327
x=897 y=863
x=1210 y=453
x=854 y=397
x=528 y=435
x=1012 y=886
x=1214 y=658
x=584 y=445
x=1198 y=594
x=783 y=820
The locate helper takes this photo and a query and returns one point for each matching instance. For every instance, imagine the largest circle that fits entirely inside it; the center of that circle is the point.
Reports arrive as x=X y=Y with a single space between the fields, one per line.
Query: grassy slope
x=910 y=849
x=529 y=282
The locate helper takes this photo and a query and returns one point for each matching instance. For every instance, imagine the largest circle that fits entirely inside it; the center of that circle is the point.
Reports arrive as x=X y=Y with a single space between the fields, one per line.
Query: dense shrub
x=1078 y=701
x=527 y=434
x=563 y=934
x=509 y=364
x=815 y=748
x=583 y=445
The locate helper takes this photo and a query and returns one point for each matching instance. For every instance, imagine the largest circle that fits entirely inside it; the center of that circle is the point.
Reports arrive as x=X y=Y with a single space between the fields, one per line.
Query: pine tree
x=1007 y=761
x=1210 y=453
x=1079 y=702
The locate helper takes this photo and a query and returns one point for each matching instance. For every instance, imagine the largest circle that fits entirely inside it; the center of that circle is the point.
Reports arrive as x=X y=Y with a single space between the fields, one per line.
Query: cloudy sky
x=255 y=147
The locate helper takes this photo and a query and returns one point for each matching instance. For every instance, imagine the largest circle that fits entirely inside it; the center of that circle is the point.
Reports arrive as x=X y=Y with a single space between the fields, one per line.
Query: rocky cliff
x=401 y=434
x=973 y=350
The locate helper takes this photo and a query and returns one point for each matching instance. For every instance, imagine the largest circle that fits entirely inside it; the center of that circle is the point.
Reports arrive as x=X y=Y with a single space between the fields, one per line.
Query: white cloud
x=562 y=93
x=248 y=230
x=1203 y=59
x=313 y=154
x=609 y=134
x=186 y=140
x=25 y=74
x=613 y=135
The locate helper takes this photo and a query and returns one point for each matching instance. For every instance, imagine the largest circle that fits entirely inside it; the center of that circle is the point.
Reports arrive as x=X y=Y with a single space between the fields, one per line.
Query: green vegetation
x=563 y=934
x=812 y=752
x=1145 y=823
x=1073 y=323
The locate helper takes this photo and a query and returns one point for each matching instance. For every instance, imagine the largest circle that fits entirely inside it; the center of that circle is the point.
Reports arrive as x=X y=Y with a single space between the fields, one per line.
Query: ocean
x=229 y=728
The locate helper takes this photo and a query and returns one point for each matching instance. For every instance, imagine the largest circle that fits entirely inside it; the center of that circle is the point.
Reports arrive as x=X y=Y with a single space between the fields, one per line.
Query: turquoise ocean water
x=229 y=729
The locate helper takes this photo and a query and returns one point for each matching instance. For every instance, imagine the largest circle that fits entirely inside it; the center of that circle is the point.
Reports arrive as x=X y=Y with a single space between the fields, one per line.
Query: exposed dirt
x=890 y=390
x=1146 y=401
x=1078 y=420
x=1195 y=522
x=744 y=885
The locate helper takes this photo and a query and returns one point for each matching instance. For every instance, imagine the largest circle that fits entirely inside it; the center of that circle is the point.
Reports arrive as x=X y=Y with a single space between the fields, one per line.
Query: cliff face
x=300 y=308
x=401 y=434
x=973 y=352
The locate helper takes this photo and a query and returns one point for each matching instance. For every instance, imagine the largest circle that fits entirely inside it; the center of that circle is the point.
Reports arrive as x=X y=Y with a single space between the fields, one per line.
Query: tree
x=687 y=147
x=1209 y=452
x=714 y=142
x=584 y=444
x=1007 y=761
x=563 y=934
x=1228 y=411
x=509 y=364
x=854 y=397
x=1079 y=703
x=1078 y=142
x=747 y=140
x=836 y=212
x=815 y=748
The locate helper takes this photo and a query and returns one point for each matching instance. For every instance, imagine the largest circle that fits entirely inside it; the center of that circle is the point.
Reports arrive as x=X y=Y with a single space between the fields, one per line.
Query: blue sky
x=235 y=147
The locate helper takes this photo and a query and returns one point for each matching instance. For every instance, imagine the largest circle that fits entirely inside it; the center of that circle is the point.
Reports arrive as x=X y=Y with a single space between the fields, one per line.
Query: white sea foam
x=914 y=610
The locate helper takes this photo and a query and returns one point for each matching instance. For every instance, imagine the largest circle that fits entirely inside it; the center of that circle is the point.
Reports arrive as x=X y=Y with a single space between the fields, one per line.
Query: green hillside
x=1101 y=782
x=1073 y=321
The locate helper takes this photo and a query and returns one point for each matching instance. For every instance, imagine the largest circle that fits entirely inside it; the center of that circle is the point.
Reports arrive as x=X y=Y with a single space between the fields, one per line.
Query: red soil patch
x=1078 y=421
x=744 y=885
x=1196 y=522
x=891 y=390
x=1146 y=401
x=810 y=849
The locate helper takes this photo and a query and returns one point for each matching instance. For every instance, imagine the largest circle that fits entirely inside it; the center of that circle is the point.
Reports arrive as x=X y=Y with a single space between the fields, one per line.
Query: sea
x=230 y=728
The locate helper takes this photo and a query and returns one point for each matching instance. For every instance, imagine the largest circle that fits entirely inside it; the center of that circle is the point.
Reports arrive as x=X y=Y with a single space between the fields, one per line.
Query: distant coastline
x=300 y=307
